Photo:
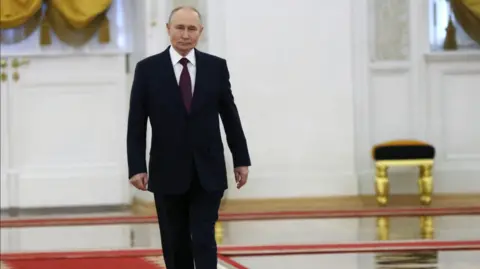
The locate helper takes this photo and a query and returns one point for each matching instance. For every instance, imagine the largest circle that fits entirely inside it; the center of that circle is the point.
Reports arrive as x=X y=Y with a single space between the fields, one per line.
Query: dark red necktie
x=185 y=84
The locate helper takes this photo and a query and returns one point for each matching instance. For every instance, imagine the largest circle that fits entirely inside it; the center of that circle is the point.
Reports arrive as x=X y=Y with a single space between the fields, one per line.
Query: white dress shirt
x=177 y=67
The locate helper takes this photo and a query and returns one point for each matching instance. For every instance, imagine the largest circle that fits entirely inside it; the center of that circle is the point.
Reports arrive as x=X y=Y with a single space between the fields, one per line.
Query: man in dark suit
x=183 y=91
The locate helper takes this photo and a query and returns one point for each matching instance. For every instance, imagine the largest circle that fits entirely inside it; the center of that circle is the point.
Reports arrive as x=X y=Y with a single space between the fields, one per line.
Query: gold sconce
x=3 y=76
x=16 y=76
x=16 y=63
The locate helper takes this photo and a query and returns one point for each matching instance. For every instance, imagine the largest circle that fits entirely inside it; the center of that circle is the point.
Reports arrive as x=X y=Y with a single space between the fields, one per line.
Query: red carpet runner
x=107 y=262
x=83 y=263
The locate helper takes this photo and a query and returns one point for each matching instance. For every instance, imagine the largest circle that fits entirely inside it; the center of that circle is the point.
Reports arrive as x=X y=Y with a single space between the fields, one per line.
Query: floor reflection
x=414 y=259
x=406 y=228
x=272 y=232
x=446 y=260
x=261 y=232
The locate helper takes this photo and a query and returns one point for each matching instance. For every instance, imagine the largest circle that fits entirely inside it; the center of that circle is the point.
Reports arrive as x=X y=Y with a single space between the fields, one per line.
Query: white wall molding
x=389 y=104
x=396 y=66
x=98 y=184
x=4 y=141
x=66 y=132
x=452 y=56
x=420 y=44
x=360 y=74
x=453 y=113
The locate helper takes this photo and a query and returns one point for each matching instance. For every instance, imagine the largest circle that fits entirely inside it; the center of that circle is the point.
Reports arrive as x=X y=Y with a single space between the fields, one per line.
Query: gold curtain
x=467 y=13
x=18 y=19
x=75 y=22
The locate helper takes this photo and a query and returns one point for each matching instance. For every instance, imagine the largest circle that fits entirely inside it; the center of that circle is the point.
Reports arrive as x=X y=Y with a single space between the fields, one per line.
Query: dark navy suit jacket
x=181 y=140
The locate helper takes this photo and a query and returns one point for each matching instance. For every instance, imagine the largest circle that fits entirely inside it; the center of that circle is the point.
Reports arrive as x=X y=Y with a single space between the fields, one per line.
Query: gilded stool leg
x=426 y=227
x=425 y=184
x=383 y=228
x=382 y=184
x=218 y=232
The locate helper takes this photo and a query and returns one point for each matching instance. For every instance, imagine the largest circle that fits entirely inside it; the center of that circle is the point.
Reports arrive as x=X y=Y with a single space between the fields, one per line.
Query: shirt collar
x=175 y=56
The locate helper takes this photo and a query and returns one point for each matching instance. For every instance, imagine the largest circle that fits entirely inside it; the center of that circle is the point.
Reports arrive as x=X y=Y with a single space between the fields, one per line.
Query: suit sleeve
x=231 y=122
x=137 y=125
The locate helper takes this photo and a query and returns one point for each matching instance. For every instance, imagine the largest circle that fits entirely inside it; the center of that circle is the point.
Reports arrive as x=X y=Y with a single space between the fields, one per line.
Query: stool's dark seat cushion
x=403 y=150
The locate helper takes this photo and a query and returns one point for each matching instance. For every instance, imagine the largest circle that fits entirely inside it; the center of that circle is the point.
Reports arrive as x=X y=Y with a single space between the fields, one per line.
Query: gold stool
x=403 y=153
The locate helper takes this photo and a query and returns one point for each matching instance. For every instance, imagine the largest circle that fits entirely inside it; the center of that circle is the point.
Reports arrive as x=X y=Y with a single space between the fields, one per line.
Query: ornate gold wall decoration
x=391 y=33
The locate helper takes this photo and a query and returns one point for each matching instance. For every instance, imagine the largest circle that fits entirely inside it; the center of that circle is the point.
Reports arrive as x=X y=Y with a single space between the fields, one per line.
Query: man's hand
x=241 y=176
x=140 y=181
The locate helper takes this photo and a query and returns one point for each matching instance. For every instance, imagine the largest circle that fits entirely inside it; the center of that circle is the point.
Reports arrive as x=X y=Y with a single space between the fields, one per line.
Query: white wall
x=291 y=76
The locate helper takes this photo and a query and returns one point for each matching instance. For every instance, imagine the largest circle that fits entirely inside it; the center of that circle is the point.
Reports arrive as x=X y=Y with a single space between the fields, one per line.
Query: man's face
x=184 y=30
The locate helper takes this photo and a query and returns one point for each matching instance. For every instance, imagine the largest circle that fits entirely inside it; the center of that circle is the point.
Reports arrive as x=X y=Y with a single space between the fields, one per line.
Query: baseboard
x=66 y=187
x=74 y=210
x=146 y=207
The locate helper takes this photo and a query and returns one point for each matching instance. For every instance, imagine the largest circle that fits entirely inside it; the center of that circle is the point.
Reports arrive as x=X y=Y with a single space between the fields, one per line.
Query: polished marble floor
x=274 y=232
x=445 y=260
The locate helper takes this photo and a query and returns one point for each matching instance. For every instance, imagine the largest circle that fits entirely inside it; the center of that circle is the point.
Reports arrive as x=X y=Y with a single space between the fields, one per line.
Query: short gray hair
x=184 y=7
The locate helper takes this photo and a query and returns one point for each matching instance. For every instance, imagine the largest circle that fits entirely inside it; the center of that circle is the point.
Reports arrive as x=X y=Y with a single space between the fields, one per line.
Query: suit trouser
x=187 y=227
